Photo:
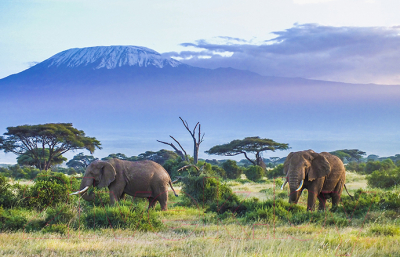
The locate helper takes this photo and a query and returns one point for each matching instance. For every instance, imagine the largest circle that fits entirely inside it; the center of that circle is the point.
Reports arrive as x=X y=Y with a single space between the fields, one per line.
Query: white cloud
x=349 y=54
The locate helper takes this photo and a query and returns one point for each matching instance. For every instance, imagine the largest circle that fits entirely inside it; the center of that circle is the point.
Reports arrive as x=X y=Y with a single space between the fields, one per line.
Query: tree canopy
x=58 y=138
x=28 y=159
x=80 y=162
x=349 y=154
x=159 y=157
x=255 y=145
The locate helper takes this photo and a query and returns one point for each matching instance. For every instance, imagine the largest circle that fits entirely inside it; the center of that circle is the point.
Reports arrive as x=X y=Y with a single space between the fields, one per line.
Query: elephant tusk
x=80 y=192
x=284 y=184
x=301 y=185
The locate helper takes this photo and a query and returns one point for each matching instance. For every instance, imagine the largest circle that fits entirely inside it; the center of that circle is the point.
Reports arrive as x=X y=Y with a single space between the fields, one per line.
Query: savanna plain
x=367 y=225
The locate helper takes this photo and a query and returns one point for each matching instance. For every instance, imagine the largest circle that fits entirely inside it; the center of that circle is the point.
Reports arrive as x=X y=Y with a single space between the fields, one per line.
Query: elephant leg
x=152 y=202
x=337 y=193
x=113 y=198
x=163 y=199
x=312 y=198
x=115 y=194
x=322 y=201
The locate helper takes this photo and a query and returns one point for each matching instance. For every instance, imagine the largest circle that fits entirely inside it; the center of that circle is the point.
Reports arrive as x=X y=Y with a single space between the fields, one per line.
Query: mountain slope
x=135 y=95
x=109 y=57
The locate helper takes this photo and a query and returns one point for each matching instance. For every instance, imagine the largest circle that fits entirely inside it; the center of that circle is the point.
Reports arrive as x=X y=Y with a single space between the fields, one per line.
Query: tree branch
x=250 y=160
x=184 y=157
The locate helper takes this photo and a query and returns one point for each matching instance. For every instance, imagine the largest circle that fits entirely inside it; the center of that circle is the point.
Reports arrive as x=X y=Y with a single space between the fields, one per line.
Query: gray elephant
x=145 y=179
x=322 y=174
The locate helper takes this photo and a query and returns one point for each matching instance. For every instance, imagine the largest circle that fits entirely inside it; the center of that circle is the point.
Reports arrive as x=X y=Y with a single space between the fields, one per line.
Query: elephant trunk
x=87 y=182
x=294 y=182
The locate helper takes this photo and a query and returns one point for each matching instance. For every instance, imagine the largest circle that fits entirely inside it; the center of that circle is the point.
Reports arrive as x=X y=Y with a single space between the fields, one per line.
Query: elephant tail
x=170 y=184
x=352 y=198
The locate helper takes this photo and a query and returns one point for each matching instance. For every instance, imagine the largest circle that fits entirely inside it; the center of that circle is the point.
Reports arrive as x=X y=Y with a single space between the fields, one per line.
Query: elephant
x=145 y=179
x=322 y=174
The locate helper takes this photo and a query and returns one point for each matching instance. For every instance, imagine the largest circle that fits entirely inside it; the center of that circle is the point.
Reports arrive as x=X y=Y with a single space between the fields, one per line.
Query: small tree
x=160 y=157
x=80 y=161
x=232 y=170
x=58 y=138
x=255 y=145
x=254 y=173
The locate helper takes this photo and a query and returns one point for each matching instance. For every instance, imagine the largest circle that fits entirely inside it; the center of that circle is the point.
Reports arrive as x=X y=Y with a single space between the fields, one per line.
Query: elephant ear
x=107 y=175
x=286 y=164
x=320 y=167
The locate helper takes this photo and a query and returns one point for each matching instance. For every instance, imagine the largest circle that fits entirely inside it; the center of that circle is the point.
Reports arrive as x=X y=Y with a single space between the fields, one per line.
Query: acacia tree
x=58 y=138
x=349 y=154
x=255 y=145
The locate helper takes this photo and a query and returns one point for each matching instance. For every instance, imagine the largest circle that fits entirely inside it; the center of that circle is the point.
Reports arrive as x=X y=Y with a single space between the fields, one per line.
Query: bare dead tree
x=196 y=141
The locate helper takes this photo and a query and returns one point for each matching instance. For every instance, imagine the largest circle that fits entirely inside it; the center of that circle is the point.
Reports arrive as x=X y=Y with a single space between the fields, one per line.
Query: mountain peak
x=110 y=57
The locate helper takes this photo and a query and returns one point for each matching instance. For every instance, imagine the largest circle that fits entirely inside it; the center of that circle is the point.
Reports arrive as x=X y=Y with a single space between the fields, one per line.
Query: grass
x=191 y=231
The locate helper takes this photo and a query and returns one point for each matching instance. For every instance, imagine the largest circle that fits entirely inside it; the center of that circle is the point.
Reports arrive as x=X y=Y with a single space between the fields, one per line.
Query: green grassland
x=366 y=226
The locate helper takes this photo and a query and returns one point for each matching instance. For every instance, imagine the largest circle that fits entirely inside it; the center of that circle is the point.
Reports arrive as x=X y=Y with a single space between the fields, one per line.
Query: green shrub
x=254 y=173
x=219 y=171
x=275 y=172
x=356 y=167
x=384 y=178
x=7 y=198
x=13 y=219
x=372 y=166
x=56 y=228
x=45 y=193
x=204 y=190
x=233 y=171
x=173 y=165
x=18 y=172
x=387 y=164
x=122 y=217
x=61 y=214
x=388 y=230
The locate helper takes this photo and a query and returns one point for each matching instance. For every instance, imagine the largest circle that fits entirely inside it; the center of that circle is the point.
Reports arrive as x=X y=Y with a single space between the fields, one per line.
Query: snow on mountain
x=110 y=57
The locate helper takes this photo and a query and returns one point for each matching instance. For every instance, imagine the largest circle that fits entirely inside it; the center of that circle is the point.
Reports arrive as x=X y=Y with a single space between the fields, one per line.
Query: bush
x=122 y=217
x=219 y=171
x=61 y=214
x=254 y=173
x=372 y=166
x=384 y=179
x=56 y=228
x=205 y=190
x=7 y=198
x=233 y=171
x=356 y=167
x=173 y=165
x=49 y=189
x=18 y=219
x=275 y=172
x=387 y=164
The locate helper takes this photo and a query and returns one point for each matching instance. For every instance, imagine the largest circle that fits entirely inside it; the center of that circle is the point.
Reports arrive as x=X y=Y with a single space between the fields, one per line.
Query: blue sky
x=33 y=30
x=353 y=41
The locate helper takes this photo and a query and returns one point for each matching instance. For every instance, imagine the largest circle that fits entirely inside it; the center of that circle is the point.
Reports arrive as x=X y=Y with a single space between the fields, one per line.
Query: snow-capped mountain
x=130 y=96
x=110 y=57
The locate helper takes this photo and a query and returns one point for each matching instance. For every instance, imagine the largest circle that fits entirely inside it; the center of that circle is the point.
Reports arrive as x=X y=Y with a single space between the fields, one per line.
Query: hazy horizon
x=332 y=40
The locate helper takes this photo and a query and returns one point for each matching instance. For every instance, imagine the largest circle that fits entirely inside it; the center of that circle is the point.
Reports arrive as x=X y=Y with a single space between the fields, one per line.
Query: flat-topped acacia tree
x=255 y=145
x=56 y=138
